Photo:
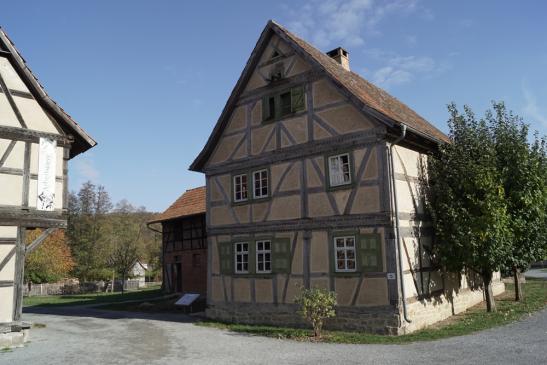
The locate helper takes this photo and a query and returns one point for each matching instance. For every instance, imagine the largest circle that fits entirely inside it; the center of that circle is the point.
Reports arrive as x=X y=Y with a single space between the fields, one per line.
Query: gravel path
x=91 y=336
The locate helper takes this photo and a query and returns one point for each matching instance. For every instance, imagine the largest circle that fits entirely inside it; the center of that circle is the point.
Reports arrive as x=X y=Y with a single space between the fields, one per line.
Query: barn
x=184 y=244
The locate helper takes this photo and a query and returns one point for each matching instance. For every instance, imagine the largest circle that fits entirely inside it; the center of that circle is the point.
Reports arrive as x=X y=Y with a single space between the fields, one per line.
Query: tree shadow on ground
x=95 y=312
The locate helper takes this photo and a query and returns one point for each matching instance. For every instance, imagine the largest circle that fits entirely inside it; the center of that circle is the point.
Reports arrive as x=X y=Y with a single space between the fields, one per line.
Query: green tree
x=125 y=238
x=87 y=231
x=466 y=197
x=522 y=167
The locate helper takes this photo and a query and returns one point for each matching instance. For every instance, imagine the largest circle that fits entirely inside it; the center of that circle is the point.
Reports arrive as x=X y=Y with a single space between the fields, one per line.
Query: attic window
x=283 y=104
x=275 y=54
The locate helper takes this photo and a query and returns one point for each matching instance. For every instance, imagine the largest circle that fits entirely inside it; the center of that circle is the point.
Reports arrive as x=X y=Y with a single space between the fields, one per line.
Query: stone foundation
x=13 y=334
x=425 y=312
x=381 y=319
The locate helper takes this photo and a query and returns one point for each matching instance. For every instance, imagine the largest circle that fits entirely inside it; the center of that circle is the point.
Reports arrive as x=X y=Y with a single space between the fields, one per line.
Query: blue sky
x=148 y=79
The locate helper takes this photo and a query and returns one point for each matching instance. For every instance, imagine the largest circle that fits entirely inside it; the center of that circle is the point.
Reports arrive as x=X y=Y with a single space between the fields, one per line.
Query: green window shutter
x=281 y=255
x=252 y=257
x=297 y=99
x=266 y=112
x=370 y=252
x=226 y=258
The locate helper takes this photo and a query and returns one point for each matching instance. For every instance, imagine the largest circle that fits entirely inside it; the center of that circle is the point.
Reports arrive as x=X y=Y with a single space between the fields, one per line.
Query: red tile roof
x=372 y=98
x=190 y=203
x=369 y=94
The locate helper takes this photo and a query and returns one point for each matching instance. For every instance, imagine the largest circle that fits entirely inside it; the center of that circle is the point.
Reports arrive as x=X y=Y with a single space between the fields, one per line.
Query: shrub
x=316 y=305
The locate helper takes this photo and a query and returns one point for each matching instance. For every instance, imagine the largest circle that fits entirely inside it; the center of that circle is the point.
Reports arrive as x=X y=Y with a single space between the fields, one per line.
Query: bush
x=316 y=305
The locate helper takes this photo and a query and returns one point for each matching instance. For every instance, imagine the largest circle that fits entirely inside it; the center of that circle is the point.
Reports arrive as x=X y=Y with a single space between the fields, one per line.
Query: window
x=242 y=258
x=339 y=170
x=264 y=257
x=240 y=188
x=260 y=182
x=344 y=254
x=283 y=104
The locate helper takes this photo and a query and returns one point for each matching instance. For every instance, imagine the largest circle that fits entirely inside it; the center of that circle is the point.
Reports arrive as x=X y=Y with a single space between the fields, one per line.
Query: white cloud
x=85 y=169
x=410 y=40
x=337 y=22
x=349 y=23
x=403 y=69
x=531 y=108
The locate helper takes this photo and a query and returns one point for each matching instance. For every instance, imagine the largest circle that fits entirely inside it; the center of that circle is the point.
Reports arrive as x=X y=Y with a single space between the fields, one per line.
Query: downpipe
x=397 y=226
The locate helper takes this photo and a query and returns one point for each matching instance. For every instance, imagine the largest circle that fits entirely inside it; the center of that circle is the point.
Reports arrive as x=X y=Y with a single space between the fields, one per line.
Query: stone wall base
x=13 y=334
x=428 y=311
x=381 y=320
x=13 y=339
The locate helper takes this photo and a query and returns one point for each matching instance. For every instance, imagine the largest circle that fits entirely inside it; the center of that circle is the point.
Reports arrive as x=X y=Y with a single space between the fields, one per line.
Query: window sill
x=341 y=187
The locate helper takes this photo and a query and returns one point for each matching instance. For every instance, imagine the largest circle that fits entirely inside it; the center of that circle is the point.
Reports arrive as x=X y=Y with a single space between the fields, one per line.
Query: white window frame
x=263 y=253
x=261 y=186
x=333 y=174
x=345 y=249
x=240 y=176
x=241 y=253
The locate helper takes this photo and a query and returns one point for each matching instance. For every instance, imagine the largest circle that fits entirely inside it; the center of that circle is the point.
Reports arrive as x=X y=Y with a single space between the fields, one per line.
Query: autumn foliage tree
x=51 y=261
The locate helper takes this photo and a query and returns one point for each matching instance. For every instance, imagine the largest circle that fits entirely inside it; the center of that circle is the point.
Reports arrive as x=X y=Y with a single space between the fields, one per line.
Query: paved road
x=536 y=273
x=90 y=336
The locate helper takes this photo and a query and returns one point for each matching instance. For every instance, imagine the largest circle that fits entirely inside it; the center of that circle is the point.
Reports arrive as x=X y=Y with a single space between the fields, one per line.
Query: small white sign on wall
x=46 y=174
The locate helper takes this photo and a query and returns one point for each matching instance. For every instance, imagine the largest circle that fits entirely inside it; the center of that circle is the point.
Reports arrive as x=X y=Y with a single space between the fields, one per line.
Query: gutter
x=397 y=226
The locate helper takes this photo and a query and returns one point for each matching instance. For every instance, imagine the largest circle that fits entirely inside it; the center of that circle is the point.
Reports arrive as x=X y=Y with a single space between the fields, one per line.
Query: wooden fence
x=68 y=289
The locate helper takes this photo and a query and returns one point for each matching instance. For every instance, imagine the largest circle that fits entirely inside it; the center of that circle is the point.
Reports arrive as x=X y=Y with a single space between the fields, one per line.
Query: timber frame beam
x=32 y=218
x=28 y=135
x=296 y=152
x=38 y=241
x=356 y=220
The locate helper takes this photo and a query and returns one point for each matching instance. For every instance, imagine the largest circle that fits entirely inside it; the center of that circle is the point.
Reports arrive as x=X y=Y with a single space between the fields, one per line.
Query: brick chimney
x=341 y=56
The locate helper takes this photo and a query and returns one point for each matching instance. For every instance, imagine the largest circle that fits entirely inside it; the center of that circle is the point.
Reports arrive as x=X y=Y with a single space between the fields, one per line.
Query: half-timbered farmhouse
x=312 y=181
x=184 y=244
x=37 y=138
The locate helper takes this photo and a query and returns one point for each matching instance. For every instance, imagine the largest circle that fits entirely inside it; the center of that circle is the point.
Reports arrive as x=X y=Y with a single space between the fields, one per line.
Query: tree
x=316 y=305
x=522 y=166
x=125 y=239
x=51 y=261
x=87 y=222
x=466 y=199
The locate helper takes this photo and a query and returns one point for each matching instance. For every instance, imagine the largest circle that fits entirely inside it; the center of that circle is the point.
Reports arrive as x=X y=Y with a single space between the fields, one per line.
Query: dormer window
x=283 y=104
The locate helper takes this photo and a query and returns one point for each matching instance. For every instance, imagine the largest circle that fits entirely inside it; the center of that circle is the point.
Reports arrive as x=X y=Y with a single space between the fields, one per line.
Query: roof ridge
x=321 y=57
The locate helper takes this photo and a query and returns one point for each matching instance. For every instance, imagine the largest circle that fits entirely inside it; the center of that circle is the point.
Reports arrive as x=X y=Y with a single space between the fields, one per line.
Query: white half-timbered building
x=37 y=138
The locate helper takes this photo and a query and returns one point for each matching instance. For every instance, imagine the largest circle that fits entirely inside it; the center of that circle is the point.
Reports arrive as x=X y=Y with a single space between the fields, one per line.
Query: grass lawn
x=474 y=319
x=93 y=298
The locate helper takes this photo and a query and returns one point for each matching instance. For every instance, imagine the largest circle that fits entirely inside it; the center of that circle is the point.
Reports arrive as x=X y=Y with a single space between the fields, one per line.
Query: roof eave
x=82 y=140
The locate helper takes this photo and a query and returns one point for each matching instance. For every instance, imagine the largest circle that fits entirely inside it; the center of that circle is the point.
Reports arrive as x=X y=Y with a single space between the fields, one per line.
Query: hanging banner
x=46 y=174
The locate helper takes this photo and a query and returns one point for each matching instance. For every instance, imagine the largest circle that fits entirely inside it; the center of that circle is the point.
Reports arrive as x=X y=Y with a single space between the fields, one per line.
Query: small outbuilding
x=184 y=244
